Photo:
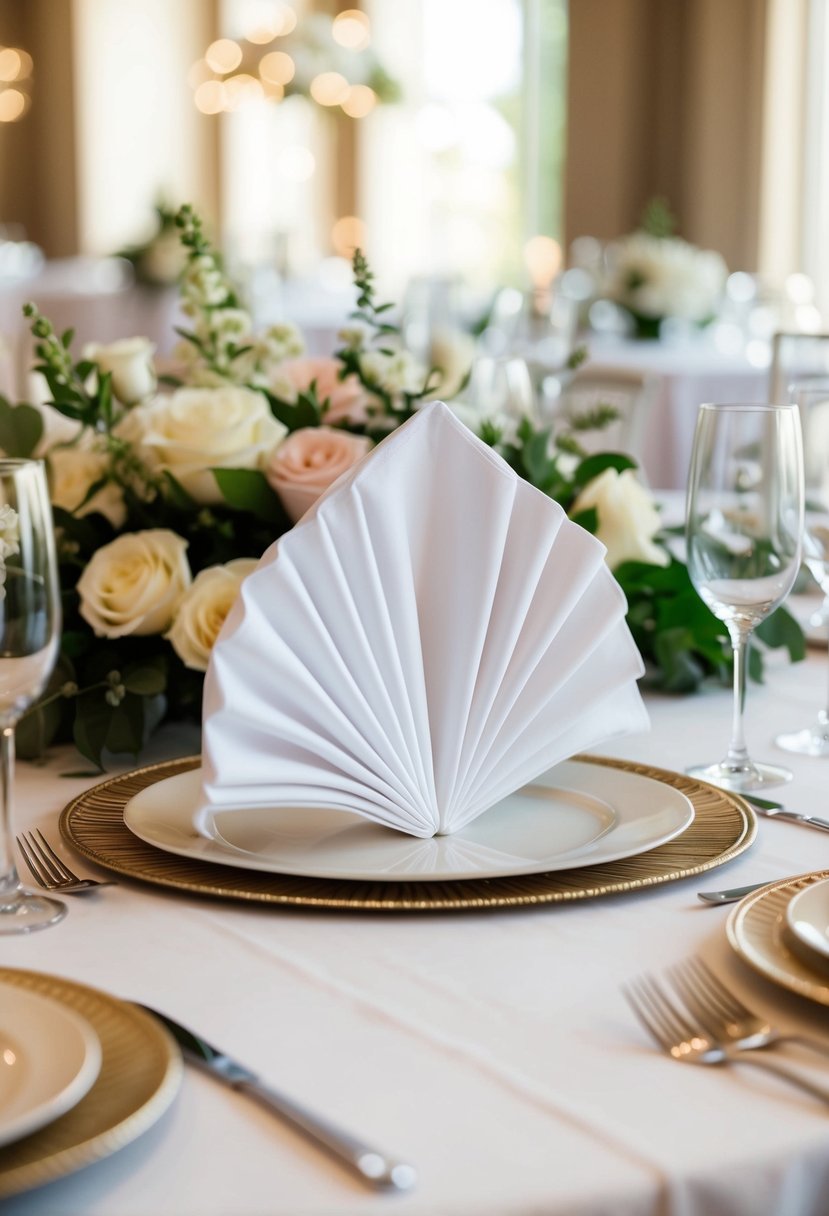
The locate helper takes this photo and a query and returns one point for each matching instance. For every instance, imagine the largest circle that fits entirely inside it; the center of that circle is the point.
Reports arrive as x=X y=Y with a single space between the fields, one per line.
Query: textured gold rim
x=757 y=931
x=93 y=823
x=140 y=1075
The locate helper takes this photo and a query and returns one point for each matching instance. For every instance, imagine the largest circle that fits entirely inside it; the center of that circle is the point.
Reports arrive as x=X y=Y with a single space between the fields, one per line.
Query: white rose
x=628 y=518
x=72 y=473
x=203 y=609
x=133 y=585
x=197 y=429
x=131 y=363
x=309 y=461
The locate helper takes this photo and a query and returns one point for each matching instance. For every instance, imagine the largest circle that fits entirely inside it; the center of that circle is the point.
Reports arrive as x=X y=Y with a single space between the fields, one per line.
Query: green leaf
x=587 y=519
x=126 y=727
x=781 y=629
x=304 y=412
x=91 y=727
x=248 y=490
x=146 y=680
x=21 y=428
x=177 y=494
x=592 y=466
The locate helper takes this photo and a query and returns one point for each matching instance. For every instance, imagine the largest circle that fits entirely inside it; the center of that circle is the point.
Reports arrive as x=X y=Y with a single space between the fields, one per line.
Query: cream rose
x=196 y=429
x=203 y=609
x=72 y=473
x=134 y=584
x=309 y=461
x=131 y=363
x=628 y=518
x=346 y=398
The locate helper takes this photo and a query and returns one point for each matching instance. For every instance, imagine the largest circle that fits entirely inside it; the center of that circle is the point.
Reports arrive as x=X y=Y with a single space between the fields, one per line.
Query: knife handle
x=373 y=1166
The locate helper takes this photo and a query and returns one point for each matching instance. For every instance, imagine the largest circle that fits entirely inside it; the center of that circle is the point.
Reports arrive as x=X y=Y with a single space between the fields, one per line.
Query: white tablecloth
x=686 y=376
x=493 y=1049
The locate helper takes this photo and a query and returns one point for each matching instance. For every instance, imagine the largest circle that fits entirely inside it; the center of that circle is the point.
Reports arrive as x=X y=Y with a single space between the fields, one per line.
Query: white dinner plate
x=807 y=915
x=576 y=814
x=49 y=1059
x=758 y=930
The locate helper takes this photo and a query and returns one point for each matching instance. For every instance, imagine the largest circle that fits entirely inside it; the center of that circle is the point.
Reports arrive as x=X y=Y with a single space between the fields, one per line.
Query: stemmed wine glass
x=29 y=634
x=744 y=529
x=812 y=399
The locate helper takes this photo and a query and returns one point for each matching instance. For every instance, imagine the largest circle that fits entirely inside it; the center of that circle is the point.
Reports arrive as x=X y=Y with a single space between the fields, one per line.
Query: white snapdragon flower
x=398 y=372
x=280 y=342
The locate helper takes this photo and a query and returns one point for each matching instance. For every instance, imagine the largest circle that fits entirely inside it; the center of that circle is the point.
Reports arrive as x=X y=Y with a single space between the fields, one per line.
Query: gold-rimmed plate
x=758 y=931
x=93 y=823
x=139 y=1076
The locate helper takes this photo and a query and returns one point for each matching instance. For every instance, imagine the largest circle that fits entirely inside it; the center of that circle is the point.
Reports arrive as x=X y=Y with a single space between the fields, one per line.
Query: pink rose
x=309 y=461
x=346 y=398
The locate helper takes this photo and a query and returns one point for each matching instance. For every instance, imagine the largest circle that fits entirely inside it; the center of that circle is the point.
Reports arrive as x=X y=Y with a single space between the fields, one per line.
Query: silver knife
x=373 y=1166
x=731 y=895
x=779 y=812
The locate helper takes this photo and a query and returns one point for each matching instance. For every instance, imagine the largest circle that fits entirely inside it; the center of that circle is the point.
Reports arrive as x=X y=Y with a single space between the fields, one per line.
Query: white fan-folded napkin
x=433 y=634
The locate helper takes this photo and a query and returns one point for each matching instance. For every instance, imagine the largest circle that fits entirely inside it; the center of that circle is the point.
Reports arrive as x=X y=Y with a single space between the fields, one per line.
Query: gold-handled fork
x=687 y=1042
x=725 y=1015
x=49 y=871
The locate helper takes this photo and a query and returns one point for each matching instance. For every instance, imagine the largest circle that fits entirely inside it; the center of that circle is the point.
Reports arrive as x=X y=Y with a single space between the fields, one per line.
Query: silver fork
x=725 y=1015
x=49 y=871
x=683 y=1040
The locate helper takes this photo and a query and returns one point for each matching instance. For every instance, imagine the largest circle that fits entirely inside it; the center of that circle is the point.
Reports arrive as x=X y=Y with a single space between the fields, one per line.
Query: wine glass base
x=26 y=913
x=741 y=779
x=813 y=741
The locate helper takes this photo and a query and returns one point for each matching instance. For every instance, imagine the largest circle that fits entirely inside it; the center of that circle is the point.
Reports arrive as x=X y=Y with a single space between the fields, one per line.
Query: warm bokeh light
x=210 y=97
x=285 y=19
x=199 y=72
x=10 y=64
x=348 y=234
x=26 y=65
x=224 y=55
x=277 y=67
x=542 y=257
x=359 y=101
x=329 y=88
x=13 y=105
x=352 y=29
x=242 y=88
x=275 y=92
x=296 y=163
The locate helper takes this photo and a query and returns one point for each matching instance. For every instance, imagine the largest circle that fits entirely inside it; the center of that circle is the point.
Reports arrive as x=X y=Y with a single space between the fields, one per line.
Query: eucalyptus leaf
x=248 y=490
x=21 y=428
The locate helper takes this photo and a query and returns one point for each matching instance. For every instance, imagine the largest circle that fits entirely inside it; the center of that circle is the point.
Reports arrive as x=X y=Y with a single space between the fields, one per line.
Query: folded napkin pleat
x=432 y=635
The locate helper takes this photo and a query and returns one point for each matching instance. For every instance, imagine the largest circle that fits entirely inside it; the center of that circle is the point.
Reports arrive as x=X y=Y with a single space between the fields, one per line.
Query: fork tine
x=731 y=1003
x=39 y=874
x=46 y=864
x=635 y=998
x=677 y=1022
x=64 y=873
x=702 y=1006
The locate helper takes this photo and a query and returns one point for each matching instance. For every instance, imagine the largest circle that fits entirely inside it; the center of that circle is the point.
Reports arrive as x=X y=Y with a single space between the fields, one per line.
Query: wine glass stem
x=737 y=751
x=9 y=881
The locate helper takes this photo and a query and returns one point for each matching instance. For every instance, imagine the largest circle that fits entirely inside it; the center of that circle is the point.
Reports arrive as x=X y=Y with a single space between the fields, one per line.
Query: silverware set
x=695 y=1019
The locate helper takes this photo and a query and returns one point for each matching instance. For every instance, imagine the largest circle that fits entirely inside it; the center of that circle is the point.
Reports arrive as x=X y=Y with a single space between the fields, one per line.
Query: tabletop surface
x=493 y=1049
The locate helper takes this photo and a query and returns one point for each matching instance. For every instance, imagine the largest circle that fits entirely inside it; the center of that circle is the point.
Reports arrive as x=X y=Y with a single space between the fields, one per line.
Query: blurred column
x=38 y=167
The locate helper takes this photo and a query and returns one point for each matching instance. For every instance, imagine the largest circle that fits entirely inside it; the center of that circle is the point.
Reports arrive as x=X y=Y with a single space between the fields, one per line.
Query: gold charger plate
x=757 y=931
x=140 y=1075
x=93 y=823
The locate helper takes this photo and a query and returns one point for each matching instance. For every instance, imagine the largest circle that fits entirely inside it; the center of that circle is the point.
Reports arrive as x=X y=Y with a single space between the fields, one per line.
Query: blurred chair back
x=796 y=356
x=631 y=394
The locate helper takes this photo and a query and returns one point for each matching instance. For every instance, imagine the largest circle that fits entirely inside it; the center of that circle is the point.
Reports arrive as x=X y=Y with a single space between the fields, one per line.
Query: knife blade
x=779 y=812
x=732 y=894
x=376 y=1168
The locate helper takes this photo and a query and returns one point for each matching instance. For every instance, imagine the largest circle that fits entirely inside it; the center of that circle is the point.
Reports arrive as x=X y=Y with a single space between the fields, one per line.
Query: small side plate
x=49 y=1059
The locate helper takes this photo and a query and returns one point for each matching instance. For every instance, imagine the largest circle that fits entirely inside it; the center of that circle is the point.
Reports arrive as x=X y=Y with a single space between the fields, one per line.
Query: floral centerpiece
x=166 y=494
x=654 y=275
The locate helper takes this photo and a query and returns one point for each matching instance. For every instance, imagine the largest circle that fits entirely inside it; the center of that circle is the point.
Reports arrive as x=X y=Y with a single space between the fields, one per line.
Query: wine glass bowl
x=811 y=397
x=744 y=536
x=29 y=637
